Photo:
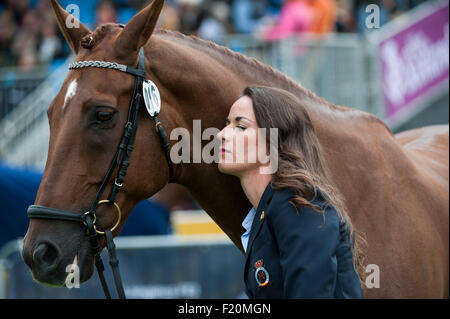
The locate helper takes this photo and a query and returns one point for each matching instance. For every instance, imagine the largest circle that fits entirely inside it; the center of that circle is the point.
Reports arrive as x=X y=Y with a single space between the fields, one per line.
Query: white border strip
x=170 y=241
x=143 y=242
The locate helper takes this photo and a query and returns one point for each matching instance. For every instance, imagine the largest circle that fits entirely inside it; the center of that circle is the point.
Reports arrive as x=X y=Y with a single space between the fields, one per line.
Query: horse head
x=87 y=119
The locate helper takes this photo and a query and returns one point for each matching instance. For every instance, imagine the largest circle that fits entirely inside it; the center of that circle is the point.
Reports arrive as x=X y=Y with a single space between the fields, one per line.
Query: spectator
x=274 y=7
x=19 y=8
x=8 y=29
x=345 y=19
x=50 y=44
x=169 y=18
x=315 y=16
x=247 y=15
x=105 y=12
x=325 y=14
x=24 y=49
x=27 y=60
x=214 y=26
x=296 y=16
x=189 y=16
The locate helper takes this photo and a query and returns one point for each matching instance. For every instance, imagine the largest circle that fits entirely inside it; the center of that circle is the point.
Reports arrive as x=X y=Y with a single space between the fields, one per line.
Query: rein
x=121 y=161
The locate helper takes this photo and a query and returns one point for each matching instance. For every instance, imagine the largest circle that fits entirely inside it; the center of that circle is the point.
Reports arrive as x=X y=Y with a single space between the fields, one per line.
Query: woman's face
x=239 y=140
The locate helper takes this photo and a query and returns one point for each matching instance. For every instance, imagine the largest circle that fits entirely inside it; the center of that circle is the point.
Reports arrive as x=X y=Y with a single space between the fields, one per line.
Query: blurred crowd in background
x=29 y=36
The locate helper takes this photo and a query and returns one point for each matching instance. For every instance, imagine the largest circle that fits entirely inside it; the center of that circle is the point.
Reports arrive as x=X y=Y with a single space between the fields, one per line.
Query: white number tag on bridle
x=151 y=97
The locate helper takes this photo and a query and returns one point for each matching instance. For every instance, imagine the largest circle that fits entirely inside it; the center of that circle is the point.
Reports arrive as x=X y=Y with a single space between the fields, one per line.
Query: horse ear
x=72 y=29
x=139 y=29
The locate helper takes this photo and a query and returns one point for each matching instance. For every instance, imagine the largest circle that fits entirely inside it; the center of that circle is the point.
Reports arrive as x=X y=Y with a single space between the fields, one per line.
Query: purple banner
x=415 y=60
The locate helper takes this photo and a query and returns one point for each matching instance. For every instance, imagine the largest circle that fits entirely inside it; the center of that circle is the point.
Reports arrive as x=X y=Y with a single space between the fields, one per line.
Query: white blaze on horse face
x=71 y=91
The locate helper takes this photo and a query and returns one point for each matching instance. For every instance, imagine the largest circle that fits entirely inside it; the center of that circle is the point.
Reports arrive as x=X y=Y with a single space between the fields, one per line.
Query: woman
x=298 y=233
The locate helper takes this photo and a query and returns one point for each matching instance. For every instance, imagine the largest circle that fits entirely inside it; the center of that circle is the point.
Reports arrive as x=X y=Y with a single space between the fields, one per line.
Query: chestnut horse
x=396 y=187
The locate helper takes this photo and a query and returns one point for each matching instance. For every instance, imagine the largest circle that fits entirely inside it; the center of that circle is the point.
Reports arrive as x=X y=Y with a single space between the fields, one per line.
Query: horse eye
x=104 y=116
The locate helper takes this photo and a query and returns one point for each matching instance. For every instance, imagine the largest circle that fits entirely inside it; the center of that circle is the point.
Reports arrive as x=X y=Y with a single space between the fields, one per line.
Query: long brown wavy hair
x=301 y=164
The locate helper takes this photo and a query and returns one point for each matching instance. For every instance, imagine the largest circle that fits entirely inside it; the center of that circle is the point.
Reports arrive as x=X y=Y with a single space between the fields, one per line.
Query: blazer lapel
x=258 y=220
x=256 y=226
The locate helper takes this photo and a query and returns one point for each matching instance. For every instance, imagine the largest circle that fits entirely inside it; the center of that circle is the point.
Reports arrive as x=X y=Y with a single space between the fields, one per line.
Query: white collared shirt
x=247 y=224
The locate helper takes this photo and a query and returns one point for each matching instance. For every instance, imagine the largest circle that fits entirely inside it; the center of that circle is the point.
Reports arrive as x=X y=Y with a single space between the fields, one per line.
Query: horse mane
x=272 y=73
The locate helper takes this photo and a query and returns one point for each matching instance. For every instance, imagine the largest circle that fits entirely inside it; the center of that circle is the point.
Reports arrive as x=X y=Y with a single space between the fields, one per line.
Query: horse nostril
x=45 y=256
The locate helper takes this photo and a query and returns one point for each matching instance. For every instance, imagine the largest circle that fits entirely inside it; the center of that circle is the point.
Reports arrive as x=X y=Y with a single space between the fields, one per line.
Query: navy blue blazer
x=298 y=255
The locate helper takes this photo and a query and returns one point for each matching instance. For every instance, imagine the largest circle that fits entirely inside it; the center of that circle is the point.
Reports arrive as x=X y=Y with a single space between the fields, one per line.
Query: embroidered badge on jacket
x=261 y=274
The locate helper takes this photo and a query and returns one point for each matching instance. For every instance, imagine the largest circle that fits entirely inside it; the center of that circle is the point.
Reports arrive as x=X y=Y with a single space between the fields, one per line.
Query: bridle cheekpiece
x=142 y=88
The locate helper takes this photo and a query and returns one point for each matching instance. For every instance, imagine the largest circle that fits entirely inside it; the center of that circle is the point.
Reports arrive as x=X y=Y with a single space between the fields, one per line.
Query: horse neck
x=190 y=88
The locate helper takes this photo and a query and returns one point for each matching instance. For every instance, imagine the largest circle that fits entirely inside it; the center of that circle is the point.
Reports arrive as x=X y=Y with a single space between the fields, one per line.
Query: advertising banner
x=415 y=60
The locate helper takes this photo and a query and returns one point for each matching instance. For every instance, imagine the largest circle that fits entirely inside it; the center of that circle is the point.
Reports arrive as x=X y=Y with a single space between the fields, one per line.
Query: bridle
x=122 y=161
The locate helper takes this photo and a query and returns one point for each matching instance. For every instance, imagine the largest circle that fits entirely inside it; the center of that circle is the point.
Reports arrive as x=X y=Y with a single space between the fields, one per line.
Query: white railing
x=15 y=86
x=24 y=131
x=341 y=68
